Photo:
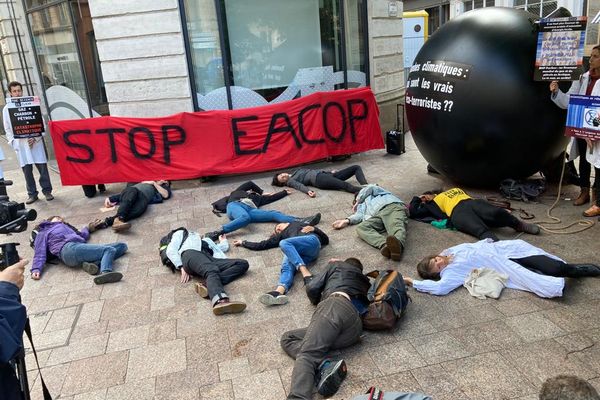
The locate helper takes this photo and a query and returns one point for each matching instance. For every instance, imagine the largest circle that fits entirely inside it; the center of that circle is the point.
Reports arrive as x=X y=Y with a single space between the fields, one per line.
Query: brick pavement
x=151 y=337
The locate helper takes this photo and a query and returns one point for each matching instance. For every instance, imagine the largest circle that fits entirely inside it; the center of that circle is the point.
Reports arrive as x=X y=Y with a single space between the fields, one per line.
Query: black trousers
x=216 y=271
x=548 y=266
x=335 y=324
x=132 y=205
x=476 y=216
x=585 y=168
x=337 y=180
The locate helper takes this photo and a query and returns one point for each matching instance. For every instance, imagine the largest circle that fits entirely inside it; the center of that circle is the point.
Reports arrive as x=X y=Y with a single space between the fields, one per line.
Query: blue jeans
x=73 y=254
x=298 y=250
x=242 y=214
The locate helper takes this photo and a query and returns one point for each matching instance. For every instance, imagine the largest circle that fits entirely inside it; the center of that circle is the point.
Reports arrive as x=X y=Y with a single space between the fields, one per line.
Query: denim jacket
x=370 y=200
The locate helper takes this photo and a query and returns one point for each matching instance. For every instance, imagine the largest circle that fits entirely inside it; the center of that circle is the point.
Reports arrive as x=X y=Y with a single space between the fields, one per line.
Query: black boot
x=312 y=220
x=584 y=270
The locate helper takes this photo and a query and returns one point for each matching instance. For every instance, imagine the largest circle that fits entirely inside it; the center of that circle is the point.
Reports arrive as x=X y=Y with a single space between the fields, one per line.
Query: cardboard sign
x=583 y=117
x=560 y=46
x=25 y=116
x=190 y=145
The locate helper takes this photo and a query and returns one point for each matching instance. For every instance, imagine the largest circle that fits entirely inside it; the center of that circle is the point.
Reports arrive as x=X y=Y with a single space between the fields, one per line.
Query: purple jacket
x=51 y=237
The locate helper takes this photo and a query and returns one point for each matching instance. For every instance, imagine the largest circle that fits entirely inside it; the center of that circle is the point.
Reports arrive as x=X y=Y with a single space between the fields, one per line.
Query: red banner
x=190 y=145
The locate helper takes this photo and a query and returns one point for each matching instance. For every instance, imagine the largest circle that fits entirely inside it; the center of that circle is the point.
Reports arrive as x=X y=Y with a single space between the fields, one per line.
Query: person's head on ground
x=568 y=387
x=15 y=89
x=280 y=179
x=355 y=262
x=164 y=183
x=429 y=195
x=431 y=266
x=281 y=227
x=55 y=218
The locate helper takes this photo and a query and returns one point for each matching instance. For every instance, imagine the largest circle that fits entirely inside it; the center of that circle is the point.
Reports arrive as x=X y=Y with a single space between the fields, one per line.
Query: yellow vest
x=447 y=200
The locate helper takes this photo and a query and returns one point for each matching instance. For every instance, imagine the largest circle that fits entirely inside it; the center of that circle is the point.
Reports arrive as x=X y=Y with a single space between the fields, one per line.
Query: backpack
x=164 y=243
x=50 y=258
x=525 y=190
x=388 y=300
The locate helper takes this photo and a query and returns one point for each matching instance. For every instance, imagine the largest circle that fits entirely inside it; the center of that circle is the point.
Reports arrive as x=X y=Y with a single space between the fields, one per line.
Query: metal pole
x=225 y=52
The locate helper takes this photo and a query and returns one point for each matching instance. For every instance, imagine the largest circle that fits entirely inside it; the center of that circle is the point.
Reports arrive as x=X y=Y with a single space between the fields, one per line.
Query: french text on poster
x=431 y=84
x=25 y=116
x=560 y=46
x=583 y=117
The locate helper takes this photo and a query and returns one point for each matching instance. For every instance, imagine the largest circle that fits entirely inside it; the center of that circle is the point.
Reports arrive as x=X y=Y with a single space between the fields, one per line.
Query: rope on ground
x=563 y=230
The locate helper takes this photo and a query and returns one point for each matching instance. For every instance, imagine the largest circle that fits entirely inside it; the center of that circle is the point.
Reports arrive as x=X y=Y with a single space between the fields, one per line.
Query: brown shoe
x=120 y=226
x=201 y=289
x=395 y=247
x=583 y=198
x=385 y=251
x=31 y=199
x=225 y=306
x=593 y=211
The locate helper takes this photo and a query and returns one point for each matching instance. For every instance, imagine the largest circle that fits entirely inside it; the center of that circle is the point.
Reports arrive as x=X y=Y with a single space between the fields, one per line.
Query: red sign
x=190 y=145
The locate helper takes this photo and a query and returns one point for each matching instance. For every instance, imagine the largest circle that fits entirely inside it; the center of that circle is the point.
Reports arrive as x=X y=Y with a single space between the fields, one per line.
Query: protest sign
x=25 y=116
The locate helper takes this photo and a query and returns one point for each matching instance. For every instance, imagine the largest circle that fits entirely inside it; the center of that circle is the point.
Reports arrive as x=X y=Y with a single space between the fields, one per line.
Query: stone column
x=385 y=58
x=142 y=53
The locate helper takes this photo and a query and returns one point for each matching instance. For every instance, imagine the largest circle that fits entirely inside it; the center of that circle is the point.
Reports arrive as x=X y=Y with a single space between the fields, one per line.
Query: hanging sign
x=190 y=145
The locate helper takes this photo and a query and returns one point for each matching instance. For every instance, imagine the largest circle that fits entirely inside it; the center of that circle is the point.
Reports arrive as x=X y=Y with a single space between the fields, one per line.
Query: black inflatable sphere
x=473 y=108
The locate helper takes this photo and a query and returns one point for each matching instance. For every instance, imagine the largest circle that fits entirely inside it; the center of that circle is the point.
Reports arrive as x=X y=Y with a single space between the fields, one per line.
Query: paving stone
x=186 y=384
x=163 y=298
x=488 y=376
x=81 y=332
x=77 y=350
x=137 y=390
x=90 y=312
x=266 y=385
x=541 y=360
x=163 y=332
x=439 y=347
x=438 y=383
x=158 y=359
x=95 y=395
x=62 y=319
x=95 y=373
x=128 y=338
x=221 y=391
x=534 y=326
x=236 y=367
x=397 y=357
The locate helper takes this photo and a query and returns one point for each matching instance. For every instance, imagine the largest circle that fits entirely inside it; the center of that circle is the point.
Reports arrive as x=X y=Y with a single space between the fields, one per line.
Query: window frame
x=226 y=50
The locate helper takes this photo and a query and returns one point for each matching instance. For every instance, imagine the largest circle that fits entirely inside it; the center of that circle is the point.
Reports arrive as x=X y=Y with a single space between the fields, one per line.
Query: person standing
x=29 y=151
x=587 y=150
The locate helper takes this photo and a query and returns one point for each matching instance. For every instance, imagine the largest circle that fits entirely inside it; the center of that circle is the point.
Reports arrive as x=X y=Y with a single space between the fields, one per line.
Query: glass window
x=56 y=48
x=356 y=56
x=478 y=4
x=204 y=42
x=468 y=5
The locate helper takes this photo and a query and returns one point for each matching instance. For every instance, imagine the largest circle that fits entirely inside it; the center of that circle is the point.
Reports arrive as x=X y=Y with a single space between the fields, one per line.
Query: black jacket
x=294 y=229
x=248 y=190
x=338 y=277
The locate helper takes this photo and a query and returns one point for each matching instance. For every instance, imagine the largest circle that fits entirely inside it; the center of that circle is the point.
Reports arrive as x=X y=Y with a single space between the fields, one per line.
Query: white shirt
x=496 y=256
x=26 y=155
x=193 y=242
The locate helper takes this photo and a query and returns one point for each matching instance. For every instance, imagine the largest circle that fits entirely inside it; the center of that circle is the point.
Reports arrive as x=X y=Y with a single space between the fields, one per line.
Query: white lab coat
x=26 y=155
x=494 y=255
x=562 y=100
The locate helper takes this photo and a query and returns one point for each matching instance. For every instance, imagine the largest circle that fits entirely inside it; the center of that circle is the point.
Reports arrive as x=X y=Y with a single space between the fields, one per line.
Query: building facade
x=131 y=58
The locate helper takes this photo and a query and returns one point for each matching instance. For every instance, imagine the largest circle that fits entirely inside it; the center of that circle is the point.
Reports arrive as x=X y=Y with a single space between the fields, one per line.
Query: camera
x=8 y=255
x=13 y=215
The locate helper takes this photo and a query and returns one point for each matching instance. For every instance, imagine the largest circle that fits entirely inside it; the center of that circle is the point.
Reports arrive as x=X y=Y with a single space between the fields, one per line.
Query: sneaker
x=526 y=227
x=90 y=268
x=31 y=199
x=312 y=220
x=395 y=248
x=201 y=289
x=96 y=224
x=273 y=298
x=120 y=226
x=385 y=251
x=331 y=375
x=226 y=306
x=214 y=235
x=48 y=196
x=108 y=277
